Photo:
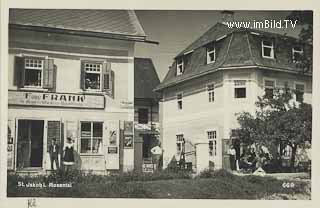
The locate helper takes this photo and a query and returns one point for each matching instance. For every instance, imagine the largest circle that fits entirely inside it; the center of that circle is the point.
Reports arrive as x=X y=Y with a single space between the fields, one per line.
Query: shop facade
x=71 y=81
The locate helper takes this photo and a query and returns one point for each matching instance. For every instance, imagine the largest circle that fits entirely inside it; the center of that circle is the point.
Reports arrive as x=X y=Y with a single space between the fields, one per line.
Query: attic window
x=297 y=52
x=180 y=67
x=267 y=49
x=211 y=53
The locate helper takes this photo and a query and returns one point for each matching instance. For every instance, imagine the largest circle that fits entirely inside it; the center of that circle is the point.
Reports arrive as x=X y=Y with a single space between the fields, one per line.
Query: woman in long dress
x=68 y=157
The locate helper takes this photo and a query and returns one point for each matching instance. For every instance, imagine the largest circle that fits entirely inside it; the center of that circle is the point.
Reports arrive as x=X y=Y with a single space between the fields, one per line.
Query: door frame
x=44 y=144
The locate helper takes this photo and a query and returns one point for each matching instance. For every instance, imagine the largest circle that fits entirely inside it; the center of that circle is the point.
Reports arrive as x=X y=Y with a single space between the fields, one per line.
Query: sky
x=176 y=29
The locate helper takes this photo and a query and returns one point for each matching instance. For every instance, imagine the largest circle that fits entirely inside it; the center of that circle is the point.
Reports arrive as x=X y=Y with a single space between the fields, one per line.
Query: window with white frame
x=180 y=66
x=211 y=53
x=93 y=75
x=212 y=138
x=297 y=52
x=180 y=143
x=269 y=86
x=210 y=88
x=33 y=72
x=299 y=91
x=240 y=89
x=179 y=101
x=267 y=49
x=91 y=137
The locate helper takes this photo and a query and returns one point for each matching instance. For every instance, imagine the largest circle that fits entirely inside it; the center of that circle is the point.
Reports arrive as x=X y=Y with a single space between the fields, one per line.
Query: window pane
x=269 y=83
x=268 y=93
x=179 y=104
x=85 y=145
x=239 y=82
x=92 y=81
x=299 y=96
x=267 y=43
x=97 y=145
x=97 y=129
x=240 y=92
x=32 y=77
x=212 y=56
x=267 y=52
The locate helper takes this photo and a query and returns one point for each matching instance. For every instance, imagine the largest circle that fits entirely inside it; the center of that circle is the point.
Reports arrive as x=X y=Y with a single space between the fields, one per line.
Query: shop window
x=143 y=114
x=179 y=101
x=297 y=53
x=180 y=66
x=212 y=138
x=91 y=137
x=299 y=92
x=210 y=89
x=240 y=89
x=267 y=49
x=269 y=86
x=211 y=53
x=180 y=144
x=34 y=72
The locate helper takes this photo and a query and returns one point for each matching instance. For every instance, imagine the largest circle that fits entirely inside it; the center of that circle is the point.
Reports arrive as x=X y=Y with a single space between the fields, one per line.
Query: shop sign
x=49 y=99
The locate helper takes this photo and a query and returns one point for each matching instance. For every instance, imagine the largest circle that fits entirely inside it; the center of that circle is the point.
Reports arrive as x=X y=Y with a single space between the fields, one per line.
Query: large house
x=71 y=75
x=218 y=75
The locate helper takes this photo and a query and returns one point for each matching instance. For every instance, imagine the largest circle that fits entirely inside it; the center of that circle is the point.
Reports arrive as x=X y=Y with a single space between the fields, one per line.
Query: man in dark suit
x=54 y=151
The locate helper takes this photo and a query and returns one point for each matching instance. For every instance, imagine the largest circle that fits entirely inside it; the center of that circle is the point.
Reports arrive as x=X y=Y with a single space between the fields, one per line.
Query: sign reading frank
x=47 y=99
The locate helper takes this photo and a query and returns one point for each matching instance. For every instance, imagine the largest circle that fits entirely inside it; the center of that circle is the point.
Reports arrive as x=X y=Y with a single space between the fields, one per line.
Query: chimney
x=227 y=16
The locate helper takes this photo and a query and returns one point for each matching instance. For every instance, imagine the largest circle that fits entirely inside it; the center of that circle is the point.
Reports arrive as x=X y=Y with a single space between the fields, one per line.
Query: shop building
x=146 y=113
x=218 y=75
x=71 y=74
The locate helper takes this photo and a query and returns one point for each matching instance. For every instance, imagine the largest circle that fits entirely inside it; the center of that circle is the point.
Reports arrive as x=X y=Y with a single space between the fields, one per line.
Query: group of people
x=249 y=160
x=67 y=154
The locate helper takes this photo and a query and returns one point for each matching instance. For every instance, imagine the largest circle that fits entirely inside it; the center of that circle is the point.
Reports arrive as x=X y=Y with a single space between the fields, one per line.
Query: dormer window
x=180 y=67
x=211 y=53
x=297 y=52
x=267 y=49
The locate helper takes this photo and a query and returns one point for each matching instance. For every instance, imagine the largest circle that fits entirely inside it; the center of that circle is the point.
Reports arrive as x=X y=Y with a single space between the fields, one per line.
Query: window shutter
x=106 y=67
x=108 y=79
x=82 y=76
x=112 y=84
x=54 y=132
x=19 y=71
x=48 y=74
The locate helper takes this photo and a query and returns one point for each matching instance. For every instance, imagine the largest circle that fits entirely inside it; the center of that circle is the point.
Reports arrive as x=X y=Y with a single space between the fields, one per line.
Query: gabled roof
x=116 y=22
x=145 y=78
x=234 y=48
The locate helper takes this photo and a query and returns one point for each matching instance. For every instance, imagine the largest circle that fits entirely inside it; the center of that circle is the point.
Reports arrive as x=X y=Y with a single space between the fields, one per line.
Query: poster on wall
x=113 y=138
x=128 y=141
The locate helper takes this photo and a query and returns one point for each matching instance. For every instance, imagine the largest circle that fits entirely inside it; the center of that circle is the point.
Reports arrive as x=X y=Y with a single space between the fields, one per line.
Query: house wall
x=199 y=116
x=67 y=52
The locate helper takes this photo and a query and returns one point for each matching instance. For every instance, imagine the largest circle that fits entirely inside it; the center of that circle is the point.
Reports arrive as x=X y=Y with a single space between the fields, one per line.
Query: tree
x=277 y=121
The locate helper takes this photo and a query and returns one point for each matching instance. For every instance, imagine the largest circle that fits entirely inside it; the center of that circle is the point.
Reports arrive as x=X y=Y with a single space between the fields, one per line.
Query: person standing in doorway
x=156 y=152
x=68 y=157
x=54 y=152
x=232 y=156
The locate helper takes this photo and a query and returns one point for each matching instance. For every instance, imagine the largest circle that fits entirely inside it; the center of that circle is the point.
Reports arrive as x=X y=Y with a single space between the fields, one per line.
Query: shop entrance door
x=30 y=144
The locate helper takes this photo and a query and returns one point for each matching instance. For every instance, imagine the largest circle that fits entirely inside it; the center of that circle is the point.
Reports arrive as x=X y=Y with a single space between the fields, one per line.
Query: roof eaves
x=81 y=32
